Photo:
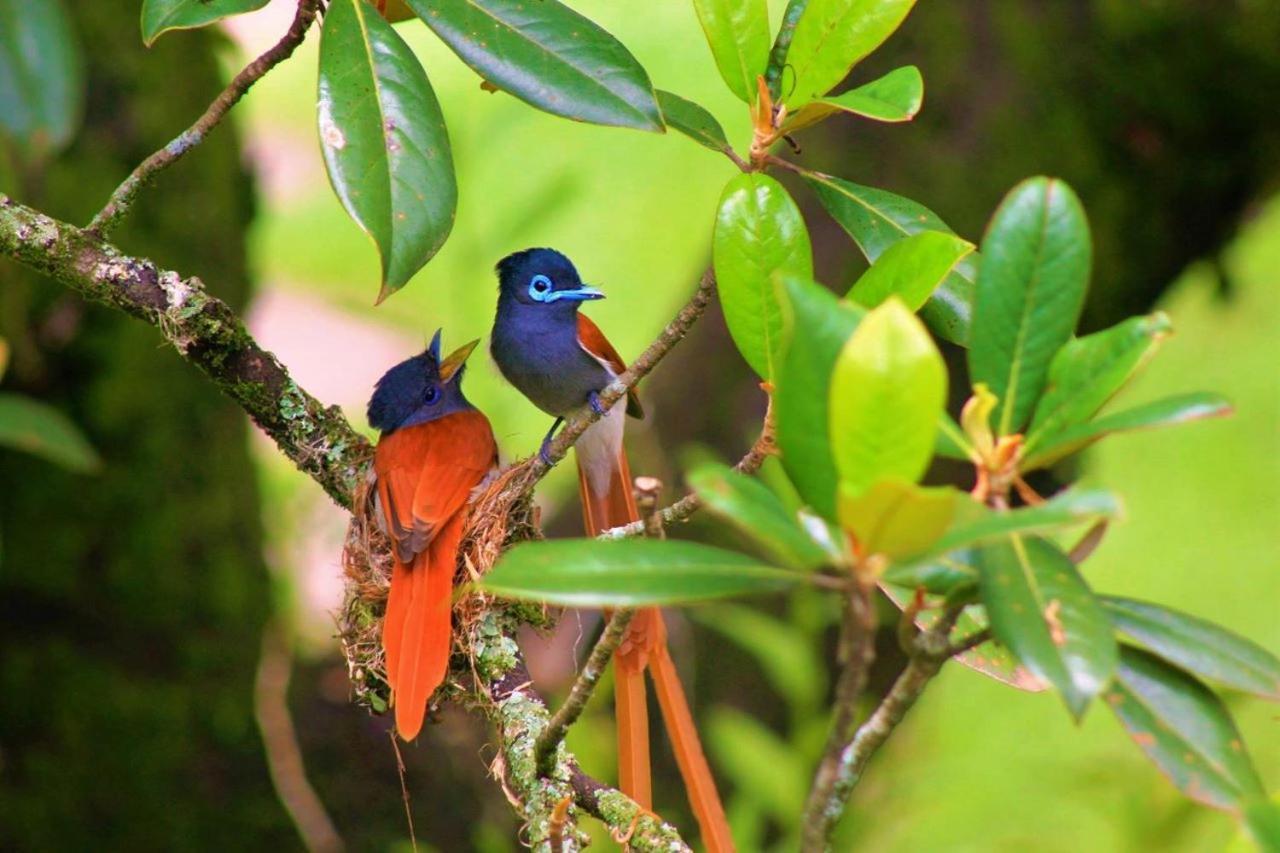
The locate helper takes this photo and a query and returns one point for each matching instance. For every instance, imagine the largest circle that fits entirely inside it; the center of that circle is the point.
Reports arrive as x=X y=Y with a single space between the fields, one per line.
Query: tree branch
x=122 y=198
x=204 y=330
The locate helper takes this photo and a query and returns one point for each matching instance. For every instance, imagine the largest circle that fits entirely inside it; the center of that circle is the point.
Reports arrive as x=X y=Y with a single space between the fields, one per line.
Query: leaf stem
x=123 y=197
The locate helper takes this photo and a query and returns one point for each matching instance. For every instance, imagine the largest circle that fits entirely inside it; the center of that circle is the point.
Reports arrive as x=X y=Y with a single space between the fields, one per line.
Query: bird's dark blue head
x=420 y=389
x=542 y=277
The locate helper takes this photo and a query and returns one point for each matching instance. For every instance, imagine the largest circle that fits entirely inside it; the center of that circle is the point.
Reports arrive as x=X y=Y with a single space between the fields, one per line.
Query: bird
x=433 y=450
x=559 y=359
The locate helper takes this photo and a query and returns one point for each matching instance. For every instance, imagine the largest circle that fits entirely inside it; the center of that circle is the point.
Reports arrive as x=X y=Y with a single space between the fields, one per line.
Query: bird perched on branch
x=560 y=359
x=434 y=449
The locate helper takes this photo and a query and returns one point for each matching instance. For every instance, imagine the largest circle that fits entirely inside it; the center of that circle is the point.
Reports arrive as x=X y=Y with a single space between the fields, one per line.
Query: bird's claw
x=596 y=406
x=544 y=452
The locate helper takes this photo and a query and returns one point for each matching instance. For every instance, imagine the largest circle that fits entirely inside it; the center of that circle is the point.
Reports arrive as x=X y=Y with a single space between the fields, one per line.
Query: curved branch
x=204 y=330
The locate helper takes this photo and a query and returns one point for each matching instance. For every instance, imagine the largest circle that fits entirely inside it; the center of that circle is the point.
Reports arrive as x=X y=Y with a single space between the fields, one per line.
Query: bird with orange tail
x=435 y=448
x=559 y=359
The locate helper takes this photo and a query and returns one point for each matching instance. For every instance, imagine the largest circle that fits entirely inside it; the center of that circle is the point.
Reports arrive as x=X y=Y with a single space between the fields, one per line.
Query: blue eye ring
x=430 y=395
x=540 y=288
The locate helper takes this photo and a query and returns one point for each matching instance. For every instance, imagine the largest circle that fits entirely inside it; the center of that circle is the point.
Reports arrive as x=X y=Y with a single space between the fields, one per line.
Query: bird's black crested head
x=542 y=277
x=420 y=389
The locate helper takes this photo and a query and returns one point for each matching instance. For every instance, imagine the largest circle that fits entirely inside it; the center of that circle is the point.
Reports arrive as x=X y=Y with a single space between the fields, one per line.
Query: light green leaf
x=834 y=35
x=1262 y=822
x=911 y=269
x=1042 y=610
x=887 y=392
x=801 y=397
x=786 y=656
x=160 y=16
x=1067 y=509
x=748 y=505
x=939 y=575
x=738 y=33
x=759 y=235
x=549 y=56
x=629 y=573
x=1030 y=291
x=762 y=765
x=1184 y=729
x=876 y=220
x=1165 y=412
x=40 y=429
x=952 y=442
x=895 y=517
x=384 y=140
x=693 y=121
x=1088 y=371
x=895 y=97
x=41 y=75
x=1198 y=646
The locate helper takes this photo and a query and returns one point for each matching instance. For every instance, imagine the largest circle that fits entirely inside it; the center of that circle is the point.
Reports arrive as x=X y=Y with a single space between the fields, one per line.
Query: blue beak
x=580 y=294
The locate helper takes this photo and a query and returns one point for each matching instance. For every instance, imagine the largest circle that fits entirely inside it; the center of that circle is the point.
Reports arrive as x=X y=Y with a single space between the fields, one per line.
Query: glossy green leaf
x=939 y=575
x=785 y=654
x=1088 y=371
x=40 y=429
x=1262 y=822
x=1164 y=412
x=989 y=658
x=1198 y=646
x=876 y=220
x=895 y=97
x=738 y=33
x=834 y=35
x=549 y=56
x=1184 y=729
x=748 y=505
x=384 y=140
x=887 y=391
x=693 y=121
x=801 y=398
x=1043 y=611
x=895 y=517
x=1067 y=509
x=41 y=75
x=911 y=269
x=160 y=16
x=759 y=235
x=629 y=573
x=1030 y=291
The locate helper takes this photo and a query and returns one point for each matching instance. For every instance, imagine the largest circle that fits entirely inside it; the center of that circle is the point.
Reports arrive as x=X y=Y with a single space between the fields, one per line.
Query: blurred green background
x=1162 y=115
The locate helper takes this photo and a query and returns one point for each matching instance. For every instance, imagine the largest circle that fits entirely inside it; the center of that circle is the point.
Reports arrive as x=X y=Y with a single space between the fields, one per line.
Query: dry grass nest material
x=500 y=514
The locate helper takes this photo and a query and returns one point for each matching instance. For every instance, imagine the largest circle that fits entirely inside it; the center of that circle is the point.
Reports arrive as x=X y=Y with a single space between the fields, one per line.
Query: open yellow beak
x=454 y=360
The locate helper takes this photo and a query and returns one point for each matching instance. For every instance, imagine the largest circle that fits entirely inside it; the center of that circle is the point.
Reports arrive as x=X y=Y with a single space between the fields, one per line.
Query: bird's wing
x=596 y=345
x=425 y=474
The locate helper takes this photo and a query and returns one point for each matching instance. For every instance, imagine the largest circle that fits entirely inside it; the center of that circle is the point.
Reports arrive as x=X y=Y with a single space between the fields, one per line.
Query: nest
x=500 y=514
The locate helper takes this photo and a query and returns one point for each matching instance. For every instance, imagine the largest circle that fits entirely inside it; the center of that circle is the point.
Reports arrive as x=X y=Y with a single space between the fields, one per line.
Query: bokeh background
x=153 y=616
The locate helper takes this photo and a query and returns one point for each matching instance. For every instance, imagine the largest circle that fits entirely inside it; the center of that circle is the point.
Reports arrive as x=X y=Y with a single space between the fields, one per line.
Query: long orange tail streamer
x=645 y=645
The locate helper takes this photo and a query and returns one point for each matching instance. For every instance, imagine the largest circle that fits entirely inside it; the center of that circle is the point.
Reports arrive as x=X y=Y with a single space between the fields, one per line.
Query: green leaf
x=1198 y=646
x=549 y=56
x=759 y=235
x=1165 y=412
x=748 y=505
x=876 y=220
x=1043 y=611
x=41 y=75
x=629 y=573
x=887 y=392
x=895 y=97
x=1184 y=729
x=911 y=269
x=1262 y=820
x=789 y=661
x=738 y=33
x=834 y=35
x=384 y=140
x=40 y=429
x=762 y=766
x=160 y=16
x=693 y=121
x=801 y=398
x=1067 y=509
x=1030 y=290
x=939 y=575
x=1088 y=371
x=895 y=517
x=952 y=442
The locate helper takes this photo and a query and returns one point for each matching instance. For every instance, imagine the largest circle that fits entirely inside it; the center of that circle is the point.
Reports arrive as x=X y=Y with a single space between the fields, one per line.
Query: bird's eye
x=539 y=287
x=431 y=394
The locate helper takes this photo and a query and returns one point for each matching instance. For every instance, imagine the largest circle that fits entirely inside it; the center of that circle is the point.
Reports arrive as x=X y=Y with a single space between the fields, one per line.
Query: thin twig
x=122 y=199
x=680 y=511
x=774 y=160
x=404 y=790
